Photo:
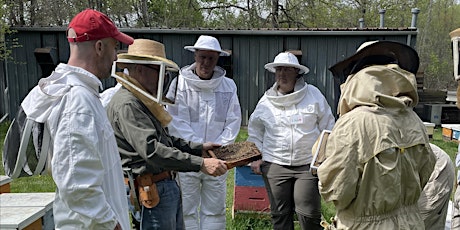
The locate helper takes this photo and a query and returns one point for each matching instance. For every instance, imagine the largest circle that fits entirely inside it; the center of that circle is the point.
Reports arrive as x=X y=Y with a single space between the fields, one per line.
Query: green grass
x=42 y=183
x=450 y=147
x=242 y=221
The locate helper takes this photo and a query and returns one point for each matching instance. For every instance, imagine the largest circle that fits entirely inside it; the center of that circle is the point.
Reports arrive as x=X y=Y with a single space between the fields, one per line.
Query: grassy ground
x=242 y=221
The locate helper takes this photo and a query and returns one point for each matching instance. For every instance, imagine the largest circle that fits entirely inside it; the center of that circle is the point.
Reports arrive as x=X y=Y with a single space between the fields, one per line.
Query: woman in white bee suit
x=206 y=109
x=284 y=126
x=378 y=157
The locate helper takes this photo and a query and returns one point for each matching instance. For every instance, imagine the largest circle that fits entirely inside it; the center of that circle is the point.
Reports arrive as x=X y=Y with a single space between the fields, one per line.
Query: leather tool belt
x=148 y=193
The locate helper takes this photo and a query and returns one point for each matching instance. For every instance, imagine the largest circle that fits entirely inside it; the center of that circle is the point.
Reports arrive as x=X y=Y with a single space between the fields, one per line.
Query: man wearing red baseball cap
x=85 y=165
x=94 y=25
x=93 y=40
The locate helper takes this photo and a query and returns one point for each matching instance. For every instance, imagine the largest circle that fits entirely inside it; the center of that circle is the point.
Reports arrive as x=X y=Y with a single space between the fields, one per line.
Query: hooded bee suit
x=271 y=127
x=284 y=128
x=204 y=111
x=378 y=154
x=86 y=166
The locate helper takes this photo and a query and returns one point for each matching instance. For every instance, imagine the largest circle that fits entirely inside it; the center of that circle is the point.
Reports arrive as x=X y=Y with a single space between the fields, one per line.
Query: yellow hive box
x=447 y=131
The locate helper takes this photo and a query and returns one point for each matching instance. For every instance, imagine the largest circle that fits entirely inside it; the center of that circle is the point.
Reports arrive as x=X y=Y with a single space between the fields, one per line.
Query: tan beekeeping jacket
x=378 y=154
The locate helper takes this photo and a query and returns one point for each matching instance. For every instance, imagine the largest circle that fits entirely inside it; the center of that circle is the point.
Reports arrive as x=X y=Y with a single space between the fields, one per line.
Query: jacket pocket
x=309 y=121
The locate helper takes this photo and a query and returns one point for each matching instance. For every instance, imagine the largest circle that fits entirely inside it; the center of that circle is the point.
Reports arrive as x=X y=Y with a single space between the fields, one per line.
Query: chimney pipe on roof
x=361 y=23
x=382 y=17
x=414 y=12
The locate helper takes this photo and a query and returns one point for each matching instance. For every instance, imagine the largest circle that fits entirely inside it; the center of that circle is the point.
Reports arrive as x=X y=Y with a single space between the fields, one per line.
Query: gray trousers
x=292 y=188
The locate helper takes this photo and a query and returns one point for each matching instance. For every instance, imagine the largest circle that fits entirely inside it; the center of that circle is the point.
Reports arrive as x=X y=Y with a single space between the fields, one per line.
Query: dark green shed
x=316 y=48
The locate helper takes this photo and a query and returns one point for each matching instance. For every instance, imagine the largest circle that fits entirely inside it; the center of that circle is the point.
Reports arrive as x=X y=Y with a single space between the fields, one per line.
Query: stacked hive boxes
x=451 y=132
x=249 y=193
x=456 y=133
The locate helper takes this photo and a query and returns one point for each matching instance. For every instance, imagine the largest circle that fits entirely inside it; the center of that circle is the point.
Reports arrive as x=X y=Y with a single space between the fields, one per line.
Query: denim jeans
x=168 y=213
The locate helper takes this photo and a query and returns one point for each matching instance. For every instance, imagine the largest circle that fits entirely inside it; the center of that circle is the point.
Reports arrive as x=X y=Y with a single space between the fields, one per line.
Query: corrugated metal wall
x=3 y=93
x=251 y=50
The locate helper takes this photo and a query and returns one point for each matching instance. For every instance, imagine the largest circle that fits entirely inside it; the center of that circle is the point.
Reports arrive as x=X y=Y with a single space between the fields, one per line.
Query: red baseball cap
x=93 y=25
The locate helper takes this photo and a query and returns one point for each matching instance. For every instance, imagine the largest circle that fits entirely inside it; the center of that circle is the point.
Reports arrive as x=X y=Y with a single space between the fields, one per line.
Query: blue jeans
x=168 y=213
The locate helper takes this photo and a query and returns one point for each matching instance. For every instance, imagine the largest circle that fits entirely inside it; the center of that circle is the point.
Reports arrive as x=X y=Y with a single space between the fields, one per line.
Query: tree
x=5 y=46
x=436 y=19
x=166 y=14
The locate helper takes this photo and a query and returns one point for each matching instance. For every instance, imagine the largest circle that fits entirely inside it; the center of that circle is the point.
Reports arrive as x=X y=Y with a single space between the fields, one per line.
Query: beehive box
x=5 y=184
x=249 y=193
x=456 y=133
x=27 y=210
x=429 y=129
x=446 y=132
x=249 y=198
x=245 y=177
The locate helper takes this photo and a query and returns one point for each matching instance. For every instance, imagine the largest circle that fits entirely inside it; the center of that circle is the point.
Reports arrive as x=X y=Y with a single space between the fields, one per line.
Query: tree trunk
x=32 y=9
x=22 y=22
x=275 y=13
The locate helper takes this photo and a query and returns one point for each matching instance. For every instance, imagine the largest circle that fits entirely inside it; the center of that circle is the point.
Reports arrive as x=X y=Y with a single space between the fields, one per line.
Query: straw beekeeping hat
x=455 y=33
x=147 y=50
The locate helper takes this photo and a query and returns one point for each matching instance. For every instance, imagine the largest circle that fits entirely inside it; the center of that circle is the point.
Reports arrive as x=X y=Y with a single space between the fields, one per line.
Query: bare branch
x=226 y=6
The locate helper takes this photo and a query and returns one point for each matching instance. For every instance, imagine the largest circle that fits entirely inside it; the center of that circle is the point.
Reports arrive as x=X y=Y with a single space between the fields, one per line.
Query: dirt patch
x=237 y=154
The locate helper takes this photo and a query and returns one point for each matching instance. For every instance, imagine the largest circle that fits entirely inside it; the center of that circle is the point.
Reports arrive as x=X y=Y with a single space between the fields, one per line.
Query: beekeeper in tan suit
x=378 y=154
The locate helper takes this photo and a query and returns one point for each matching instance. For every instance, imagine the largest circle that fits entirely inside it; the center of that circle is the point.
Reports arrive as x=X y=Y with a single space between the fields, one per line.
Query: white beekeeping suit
x=205 y=110
x=57 y=101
